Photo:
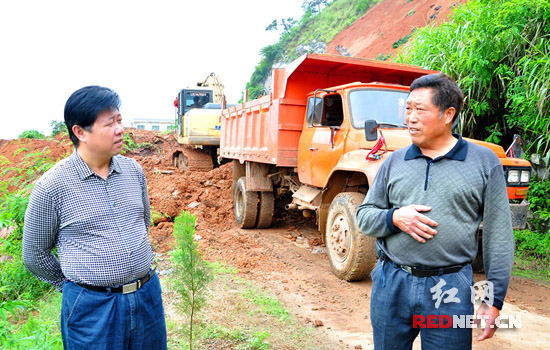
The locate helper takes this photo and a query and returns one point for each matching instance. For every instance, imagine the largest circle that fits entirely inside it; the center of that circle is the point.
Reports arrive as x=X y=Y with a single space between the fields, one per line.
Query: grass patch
x=34 y=329
x=532 y=256
x=526 y=266
x=242 y=314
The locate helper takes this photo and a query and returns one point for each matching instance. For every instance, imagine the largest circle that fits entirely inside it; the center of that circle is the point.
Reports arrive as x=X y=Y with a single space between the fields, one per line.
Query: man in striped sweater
x=425 y=206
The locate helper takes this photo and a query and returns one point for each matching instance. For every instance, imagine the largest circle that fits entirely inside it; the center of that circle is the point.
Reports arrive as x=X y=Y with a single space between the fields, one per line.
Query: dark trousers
x=106 y=320
x=398 y=299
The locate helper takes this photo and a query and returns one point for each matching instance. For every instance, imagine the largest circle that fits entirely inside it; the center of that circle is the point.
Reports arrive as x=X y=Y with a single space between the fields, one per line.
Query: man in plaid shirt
x=94 y=208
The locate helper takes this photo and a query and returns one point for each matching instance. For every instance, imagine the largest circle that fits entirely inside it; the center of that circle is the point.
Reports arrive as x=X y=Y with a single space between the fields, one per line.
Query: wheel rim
x=339 y=239
x=239 y=204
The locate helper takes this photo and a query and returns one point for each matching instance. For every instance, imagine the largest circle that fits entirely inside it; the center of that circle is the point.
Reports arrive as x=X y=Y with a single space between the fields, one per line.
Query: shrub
x=31 y=134
x=539 y=202
x=533 y=244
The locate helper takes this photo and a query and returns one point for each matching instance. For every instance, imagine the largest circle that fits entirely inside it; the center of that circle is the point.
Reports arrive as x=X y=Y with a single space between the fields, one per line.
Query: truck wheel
x=351 y=254
x=266 y=210
x=246 y=205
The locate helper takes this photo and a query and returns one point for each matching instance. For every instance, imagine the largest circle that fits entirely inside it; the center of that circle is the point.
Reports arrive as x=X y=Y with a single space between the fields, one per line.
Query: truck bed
x=264 y=130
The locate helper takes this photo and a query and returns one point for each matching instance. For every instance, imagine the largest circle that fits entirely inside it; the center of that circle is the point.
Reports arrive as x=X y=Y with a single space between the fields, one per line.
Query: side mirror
x=371 y=130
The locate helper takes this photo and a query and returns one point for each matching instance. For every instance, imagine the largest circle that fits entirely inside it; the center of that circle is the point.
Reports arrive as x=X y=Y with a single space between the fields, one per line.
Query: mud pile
x=207 y=195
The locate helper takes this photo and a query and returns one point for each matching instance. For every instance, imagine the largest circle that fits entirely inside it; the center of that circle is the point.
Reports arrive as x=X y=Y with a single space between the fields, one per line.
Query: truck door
x=321 y=143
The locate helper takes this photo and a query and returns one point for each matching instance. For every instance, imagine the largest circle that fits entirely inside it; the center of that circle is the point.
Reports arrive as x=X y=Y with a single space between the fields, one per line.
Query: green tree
x=31 y=134
x=499 y=53
x=58 y=127
x=191 y=273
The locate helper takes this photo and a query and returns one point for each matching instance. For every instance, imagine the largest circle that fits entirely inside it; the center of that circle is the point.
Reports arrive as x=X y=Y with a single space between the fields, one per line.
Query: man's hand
x=488 y=313
x=410 y=220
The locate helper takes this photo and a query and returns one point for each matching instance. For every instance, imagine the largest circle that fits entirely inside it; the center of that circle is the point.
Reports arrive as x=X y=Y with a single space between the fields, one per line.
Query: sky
x=144 y=50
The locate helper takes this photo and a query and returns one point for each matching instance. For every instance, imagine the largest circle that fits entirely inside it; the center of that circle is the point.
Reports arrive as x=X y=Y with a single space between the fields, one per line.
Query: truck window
x=384 y=106
x=334 y=114
x=314 y=105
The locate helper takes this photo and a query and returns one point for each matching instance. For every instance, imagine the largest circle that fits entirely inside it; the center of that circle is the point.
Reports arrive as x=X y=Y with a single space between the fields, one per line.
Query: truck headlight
x=513 y=176
x=525 y=176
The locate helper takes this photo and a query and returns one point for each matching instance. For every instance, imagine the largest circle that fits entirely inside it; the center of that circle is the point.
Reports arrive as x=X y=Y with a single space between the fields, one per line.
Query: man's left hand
x=489 y=314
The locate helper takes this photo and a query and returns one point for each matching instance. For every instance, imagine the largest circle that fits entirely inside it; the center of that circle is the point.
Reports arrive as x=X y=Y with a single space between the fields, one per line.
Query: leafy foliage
x=36 y=332
x=532 y=256
x=58 y=128
x=130 y=146
x=20 y=291
x=32 y=134
x=539 y=202
x=18 y=281
x=192 y=273
x=534 y=244
x=499 y=53
x=401 y=41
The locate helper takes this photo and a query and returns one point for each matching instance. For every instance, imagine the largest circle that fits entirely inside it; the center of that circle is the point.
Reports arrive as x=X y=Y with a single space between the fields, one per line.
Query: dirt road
x=301 y=277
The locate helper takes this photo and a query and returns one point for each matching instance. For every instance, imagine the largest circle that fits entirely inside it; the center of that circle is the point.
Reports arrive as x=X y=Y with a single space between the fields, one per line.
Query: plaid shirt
x=98 y=226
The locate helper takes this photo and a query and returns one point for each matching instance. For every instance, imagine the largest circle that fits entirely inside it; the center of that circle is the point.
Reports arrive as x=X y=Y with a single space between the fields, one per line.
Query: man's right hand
x=410 y=220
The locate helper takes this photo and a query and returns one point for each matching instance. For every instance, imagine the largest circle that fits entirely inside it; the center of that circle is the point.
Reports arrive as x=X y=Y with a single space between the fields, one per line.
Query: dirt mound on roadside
x=207 y=195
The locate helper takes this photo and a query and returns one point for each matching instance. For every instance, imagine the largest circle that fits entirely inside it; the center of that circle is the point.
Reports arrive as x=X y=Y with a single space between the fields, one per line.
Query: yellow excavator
x=198 y=111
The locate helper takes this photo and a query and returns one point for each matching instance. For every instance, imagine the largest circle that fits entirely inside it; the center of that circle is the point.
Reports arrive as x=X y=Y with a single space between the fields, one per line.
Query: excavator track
x=193 y=159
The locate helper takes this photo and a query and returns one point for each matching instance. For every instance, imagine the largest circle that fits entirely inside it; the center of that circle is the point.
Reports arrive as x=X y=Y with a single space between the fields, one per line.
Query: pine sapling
x=191 y=273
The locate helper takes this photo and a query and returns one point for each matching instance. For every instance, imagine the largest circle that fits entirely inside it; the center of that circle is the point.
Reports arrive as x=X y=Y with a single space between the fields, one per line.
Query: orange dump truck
x=304 y=147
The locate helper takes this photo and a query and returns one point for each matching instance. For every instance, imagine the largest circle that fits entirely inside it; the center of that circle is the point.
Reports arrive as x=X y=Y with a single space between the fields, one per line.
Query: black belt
x=125 y=288
x=433 y=271
x=423 y=271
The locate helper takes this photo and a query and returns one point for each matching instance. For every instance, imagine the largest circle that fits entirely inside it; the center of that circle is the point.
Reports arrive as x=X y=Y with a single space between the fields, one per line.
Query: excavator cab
x=198 y=111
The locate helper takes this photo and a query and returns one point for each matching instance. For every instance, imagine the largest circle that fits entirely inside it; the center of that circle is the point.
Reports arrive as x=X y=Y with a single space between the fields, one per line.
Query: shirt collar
x=458 y=152
x=84 y=170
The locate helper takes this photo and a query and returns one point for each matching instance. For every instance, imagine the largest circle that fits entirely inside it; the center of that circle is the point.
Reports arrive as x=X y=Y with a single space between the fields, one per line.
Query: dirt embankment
x=377 y=30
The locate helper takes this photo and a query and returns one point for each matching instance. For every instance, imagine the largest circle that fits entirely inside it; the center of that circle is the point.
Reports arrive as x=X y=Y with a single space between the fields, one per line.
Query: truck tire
x=351 y=254
x=266 y=210
x=246 y=205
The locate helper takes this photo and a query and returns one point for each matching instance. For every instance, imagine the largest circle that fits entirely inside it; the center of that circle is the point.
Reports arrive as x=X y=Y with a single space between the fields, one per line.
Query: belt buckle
x=130 y=288
x=407 y=268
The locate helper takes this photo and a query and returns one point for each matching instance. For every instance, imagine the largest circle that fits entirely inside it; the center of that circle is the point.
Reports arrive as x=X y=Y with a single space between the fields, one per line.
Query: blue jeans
x=401 y=303
x=106 y=320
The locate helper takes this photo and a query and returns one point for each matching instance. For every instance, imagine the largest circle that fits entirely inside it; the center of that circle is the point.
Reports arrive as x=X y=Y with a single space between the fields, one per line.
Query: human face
x=428 y=126
x=106 y=135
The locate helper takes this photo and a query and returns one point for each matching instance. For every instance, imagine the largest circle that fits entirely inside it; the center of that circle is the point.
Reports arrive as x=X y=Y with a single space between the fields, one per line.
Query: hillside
x=337 y=30
x=375 y=32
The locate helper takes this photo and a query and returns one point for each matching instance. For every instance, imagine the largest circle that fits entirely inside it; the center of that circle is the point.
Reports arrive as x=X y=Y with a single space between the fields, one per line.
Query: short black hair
x=446 y=92
x=85 y=104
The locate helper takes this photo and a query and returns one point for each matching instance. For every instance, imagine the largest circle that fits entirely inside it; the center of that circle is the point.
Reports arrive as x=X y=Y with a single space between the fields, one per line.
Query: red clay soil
x=375 y=32
x=207 y=195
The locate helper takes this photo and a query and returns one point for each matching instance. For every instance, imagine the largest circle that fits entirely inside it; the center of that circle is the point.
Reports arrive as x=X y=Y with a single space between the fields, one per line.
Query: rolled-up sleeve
x=39 y=237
